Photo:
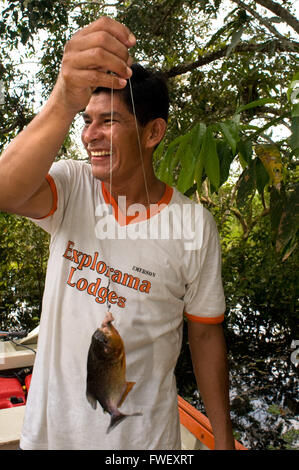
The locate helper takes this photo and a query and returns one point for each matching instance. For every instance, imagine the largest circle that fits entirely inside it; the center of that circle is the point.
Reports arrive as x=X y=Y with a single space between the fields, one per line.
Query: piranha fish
x=106 y=372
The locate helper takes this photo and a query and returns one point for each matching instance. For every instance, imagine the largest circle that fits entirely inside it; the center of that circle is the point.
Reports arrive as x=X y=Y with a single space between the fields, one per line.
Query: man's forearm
x=208 y=351
x=103 y=45
x=27 y=159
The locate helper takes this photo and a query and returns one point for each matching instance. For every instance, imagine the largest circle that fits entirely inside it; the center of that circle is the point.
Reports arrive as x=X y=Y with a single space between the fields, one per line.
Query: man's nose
x=92 y=132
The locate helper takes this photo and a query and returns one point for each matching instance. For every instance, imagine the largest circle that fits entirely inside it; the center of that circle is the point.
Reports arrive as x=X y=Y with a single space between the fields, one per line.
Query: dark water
x=263 y=391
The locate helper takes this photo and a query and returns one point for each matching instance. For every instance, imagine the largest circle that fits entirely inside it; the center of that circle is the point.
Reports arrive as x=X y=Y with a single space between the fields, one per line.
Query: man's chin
x=102 y=176
x=101 y=170
x=97 y=173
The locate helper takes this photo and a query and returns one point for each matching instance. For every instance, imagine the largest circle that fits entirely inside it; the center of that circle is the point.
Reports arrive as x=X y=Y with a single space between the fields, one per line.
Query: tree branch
x=291 y=46
x=169 y=11
x=281 y=12
x=242 y=221
x=20 y=122
x=10 y=128
x=262 y=20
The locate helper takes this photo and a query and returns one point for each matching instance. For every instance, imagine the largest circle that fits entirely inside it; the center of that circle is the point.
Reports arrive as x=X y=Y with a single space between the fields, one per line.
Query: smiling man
x=103 y=123
x=148 y=284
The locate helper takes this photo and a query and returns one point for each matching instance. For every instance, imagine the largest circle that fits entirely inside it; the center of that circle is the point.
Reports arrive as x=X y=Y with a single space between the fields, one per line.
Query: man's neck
x=136 y=190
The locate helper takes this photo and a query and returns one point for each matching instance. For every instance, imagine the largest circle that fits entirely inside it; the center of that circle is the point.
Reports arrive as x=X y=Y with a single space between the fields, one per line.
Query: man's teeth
x=100 y=154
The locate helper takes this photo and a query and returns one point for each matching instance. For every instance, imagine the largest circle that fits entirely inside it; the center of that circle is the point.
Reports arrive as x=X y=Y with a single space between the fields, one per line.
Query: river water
x=263 y=393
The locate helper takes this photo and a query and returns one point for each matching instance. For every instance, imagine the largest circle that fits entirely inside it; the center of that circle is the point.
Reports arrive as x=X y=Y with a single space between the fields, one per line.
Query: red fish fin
x=128 y=387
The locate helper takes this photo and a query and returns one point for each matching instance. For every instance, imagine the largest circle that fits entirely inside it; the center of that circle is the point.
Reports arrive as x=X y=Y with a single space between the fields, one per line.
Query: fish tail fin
x=117 y=418
x=128 y=387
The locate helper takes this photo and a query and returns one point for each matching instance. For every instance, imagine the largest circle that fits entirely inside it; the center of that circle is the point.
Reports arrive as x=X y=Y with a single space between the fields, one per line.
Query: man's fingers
x=83 y=79
x=130 y=61
x=96 y=49
x=99 y=58
x=118 y=30
x=99 y=39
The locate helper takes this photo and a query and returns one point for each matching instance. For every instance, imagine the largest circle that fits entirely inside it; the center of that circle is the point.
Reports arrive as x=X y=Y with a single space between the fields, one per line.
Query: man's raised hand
x=99 y=47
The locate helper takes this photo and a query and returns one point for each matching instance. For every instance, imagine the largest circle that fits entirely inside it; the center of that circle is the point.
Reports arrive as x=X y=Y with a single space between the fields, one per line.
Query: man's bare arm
x=208 y=352
x=99 y=47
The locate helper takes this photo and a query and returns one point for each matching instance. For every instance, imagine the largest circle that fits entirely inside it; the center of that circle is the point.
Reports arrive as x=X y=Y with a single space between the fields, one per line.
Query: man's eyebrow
x=103 y=115
x=109 y=115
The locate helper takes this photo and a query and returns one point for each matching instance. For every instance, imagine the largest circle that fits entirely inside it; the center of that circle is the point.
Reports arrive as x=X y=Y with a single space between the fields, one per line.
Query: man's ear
x=155 y=131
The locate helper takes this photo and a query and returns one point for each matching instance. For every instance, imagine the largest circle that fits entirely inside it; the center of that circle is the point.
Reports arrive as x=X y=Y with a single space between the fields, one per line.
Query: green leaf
x=211 y=161
x=295 y=110
x=226 y=157
x=262 y=176
x=164 y=169
x=289 y=221
x=192 y=158
x=186 y=177
x=255 y=104
x=196 y=135
x=245 y=152
x=269 y=124
x=247 y=186
x=179 y=154
x=199 y=165
x=230 y=132
x=293 y=87
x=294 y=139
x=236 y=37
x=276 y=206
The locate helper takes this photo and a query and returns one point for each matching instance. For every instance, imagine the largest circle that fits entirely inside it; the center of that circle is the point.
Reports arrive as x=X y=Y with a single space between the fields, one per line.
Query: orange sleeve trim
x=206 y=320
x=53 y=188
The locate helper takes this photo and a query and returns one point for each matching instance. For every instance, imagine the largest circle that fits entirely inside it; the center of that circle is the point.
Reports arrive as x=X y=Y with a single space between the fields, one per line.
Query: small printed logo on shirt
x=143 y=271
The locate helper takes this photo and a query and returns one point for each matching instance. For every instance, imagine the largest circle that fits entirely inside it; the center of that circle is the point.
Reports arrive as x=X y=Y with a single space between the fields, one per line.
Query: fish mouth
x=106 y=330
x=107 y=321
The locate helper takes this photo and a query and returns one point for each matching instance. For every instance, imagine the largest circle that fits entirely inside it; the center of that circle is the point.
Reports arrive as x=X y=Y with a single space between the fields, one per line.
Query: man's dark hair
x=150 y=93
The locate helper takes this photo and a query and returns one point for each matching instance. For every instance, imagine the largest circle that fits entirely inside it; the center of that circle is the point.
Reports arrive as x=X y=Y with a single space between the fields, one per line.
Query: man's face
x=96 y=137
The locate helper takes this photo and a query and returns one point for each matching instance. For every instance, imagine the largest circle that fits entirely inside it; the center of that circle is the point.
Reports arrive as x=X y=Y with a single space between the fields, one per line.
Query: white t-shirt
x=157 y=275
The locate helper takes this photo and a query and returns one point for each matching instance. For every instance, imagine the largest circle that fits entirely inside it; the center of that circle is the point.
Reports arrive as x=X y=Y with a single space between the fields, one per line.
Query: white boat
x=16 y=355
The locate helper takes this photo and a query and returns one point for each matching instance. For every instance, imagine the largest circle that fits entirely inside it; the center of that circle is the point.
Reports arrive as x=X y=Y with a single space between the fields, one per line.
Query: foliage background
x=232 y=144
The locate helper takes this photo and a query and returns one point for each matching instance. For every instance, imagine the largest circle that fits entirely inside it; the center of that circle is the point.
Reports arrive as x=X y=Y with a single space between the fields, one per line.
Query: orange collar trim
x=134 y=215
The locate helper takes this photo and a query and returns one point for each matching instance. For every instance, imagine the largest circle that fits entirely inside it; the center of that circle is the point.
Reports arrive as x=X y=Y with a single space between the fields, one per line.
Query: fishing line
x=139 y=144
x=140 y=155
x=111 y=143
x=110 y=175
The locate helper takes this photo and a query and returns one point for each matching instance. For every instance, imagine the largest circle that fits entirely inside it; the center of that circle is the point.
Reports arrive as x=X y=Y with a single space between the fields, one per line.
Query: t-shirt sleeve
x=204 y=297
x=60 y=178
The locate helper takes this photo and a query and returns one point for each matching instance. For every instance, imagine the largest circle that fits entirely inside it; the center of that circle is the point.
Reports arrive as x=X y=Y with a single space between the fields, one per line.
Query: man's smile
x=99 y=155
x=102 y=153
